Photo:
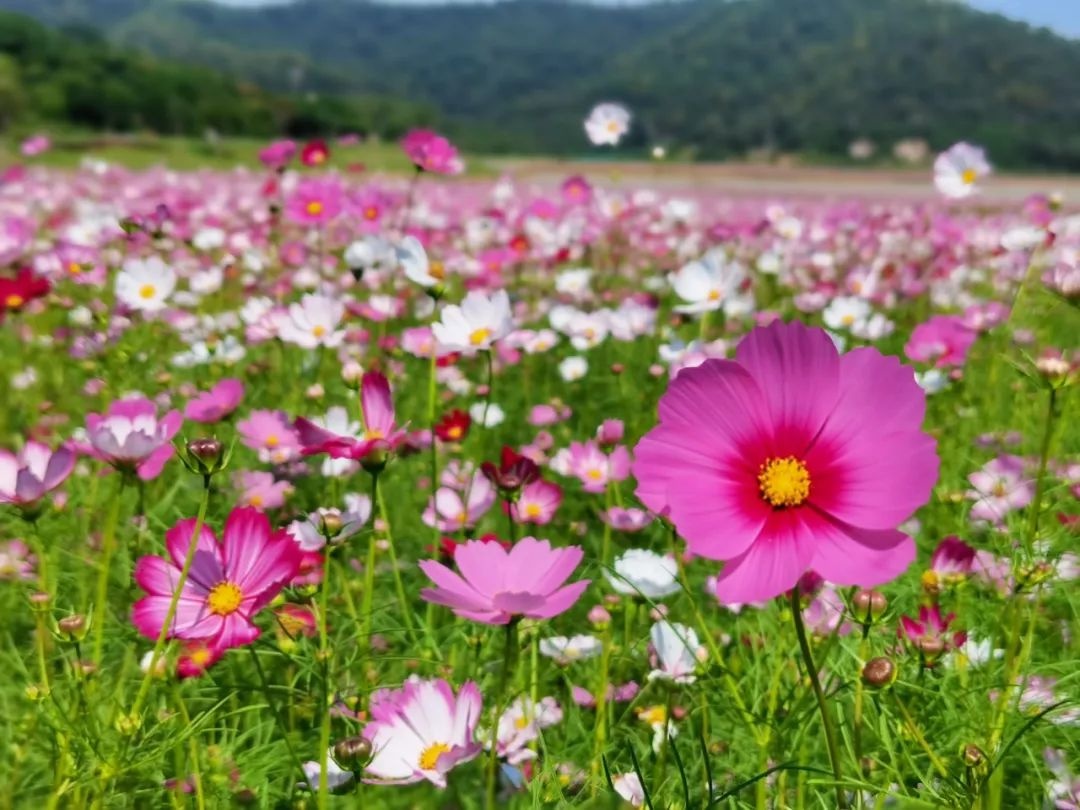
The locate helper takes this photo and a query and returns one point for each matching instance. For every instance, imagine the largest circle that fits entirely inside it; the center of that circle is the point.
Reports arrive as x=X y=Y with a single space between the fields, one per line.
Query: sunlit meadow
x=322 y=489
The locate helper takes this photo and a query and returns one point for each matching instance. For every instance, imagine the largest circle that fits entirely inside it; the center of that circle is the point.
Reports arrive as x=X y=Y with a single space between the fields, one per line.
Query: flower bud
x=72 y=628
x=375 y=461
x=599 y=617
x=879 y=672
x=205 y=456
x=39 y=600
x=352 y=752
x=330 y=525
x=869 y=605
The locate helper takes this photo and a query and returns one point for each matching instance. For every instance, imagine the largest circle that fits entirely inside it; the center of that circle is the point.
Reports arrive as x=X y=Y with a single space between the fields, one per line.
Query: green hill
x=715 y=77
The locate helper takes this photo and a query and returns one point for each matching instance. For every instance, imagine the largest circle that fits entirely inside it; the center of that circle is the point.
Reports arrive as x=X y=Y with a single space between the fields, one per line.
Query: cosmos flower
x=453 y=426
x=520 y=725
x=566 y=650
x=450 y=512
x=476 y=324
x=315 y=201
x=958 y=169
x=217 y=403
x=313 y=322
x=628 y=786
x=929 y=633
x=16 y=293
x=676 y=650
x=421 y=731
x=261 y=491
x=640 y=572
x=943 y=340
x=431 y=152
x=607 y=124
x=788 y=458
x=270 y=433
x=1000 y=487
x=27 y=476
x=145 y=285
x=537 y=503
x=315 y=153
x=494 y=585
x=228 y=584
x=131 y=437
x=595 y=468
x=277 y=154
x=380 y=430
x=712 y=283
x=414 y=261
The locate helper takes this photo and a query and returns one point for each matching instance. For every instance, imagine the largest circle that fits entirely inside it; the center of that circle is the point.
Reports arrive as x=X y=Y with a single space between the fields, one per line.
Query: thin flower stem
x=434 y=441
x=170 y=614
x=510 y=656
x=399 y=586
x=601 y=689
x=108 y=546
x=193 y=748
x=274 y=710
x=369 y=574
x=819 y=694
x=324 y=661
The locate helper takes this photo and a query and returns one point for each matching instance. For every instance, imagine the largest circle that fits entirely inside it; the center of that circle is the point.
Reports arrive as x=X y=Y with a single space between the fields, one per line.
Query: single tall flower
x=26 y=477
x=788 y=458
x=607 y=123
x=495 y=585
x=131 y=438
x=431 y=152
x=476 y=324
x=958 y=169
x=422 y=731
x=228 y=583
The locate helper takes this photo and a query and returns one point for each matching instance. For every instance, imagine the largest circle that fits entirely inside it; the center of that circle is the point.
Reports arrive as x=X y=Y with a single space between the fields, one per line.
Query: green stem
x=274 y=710
x=324 y=661
x=108 y=546
x=601 y=690
x=170 y=614
x=369 y=574
x=432 y=391
x=399 y=586
x=819 y=694
x=510 y=655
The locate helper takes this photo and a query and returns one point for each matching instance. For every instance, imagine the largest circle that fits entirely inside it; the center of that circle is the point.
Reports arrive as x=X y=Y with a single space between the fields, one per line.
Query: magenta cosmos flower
x=791 y=457
x=431 y=152
x=421 y=731
x=380 y=427
x=36 y=470
x=217 y=403
x=130 y=437
x=496 y=585
x=315 y=201
x=943 y=340
x=229 y=582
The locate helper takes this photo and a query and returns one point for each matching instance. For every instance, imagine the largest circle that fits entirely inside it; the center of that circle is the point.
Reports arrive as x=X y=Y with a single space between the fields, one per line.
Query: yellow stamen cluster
x=429 y=757
x=784 y=481
x=224 y=598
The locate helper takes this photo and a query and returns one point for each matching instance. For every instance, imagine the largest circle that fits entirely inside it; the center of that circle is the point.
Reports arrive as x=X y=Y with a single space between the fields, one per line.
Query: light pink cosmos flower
x=537 y=503
x=1000 y=487
x=431 y=152
x=315 y=201
x=380 y=426
x=35 y=145
x=270 y=433
x=16 y=561
x=626 y=520
x=261 y=491
x=595 y=468
x=943 y=340
x=229 y=582
x=521 y=724
x=629 y=787
x=215 y=404
x=496 y=585
x=313 y=322
x=952 y=560
x=791 y=457
x=421 y=731
x=131 y=438
x=26 y=477
x=452 y=511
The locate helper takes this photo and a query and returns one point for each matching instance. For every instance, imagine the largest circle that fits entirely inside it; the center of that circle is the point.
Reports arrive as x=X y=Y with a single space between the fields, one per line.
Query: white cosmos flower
x=573 y=648
x=414 y=261
x=145 y=284
x=573 y=368
x=978 y=652
x=711 y=283
x=335 y=776
x=677 y=650
x=628 y=786
x=646 y=573
x=207 y=239
x=494 y=417
x=313 y=322
x=371 y=253
x=607 y=123
x=959 y=168
x=476 y=324
x=846 y=312
x=932 y=381
x=573 y=282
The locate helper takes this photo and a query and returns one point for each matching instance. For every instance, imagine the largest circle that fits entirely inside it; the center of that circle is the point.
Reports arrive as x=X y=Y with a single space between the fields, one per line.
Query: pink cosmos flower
x=229 y=581
x=26 y=477
x=452 y=511
x=215 y=404
x=952 y=560
x=943 y=340
x=35 y=145
x=788 y=458
x=928 y=634
x=495 y=585
x=315 y=201
x=270 y=433
x=1000 y=487
x=422 y=731
x=277 y=154
x=431 y=152
x=380 y=426
x=261 y=491
x=16 y=561
x=537 y=503
x=130 y=437
x=626 y=520
x=595 y=468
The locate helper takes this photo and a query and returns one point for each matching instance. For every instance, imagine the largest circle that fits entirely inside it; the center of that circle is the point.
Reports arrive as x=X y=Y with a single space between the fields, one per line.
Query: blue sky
x=1061 y=15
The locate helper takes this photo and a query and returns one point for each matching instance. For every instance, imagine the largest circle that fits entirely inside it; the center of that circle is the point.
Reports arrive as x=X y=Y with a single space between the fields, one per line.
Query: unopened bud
x=330 y=525
x=973 y=756
x=39 y=600
x=599 y=616
x=930 y=646
x=205 y=456
x=352 y=752
x=375 y=461
x=869 y=605
x=72 y=628
x=879 y=672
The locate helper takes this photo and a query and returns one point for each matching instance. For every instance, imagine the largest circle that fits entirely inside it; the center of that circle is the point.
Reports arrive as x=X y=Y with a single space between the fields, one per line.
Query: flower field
x=326 y=489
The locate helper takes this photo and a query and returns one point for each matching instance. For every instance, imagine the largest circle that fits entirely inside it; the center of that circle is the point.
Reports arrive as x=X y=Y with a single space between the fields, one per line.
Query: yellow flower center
x=654 y=715
x=595 y=474
x=371 y=212
x=147 y=291
x=999 y=490
x=272 y=440
x=200 y=656
x=479 y=336
x=847 y=320
x=784 y=481
x=374 y=434
x=429 y=757
x=521 y=722
x=74 y=268
x=969 y=176
x=255 y=500
x=436 y=270
x=714 y=295
x=318 y=331
x=613 y=127
x=532 y=510
x=224 y=598
x=454 y=432
x=14 y=300
x=314 y=208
